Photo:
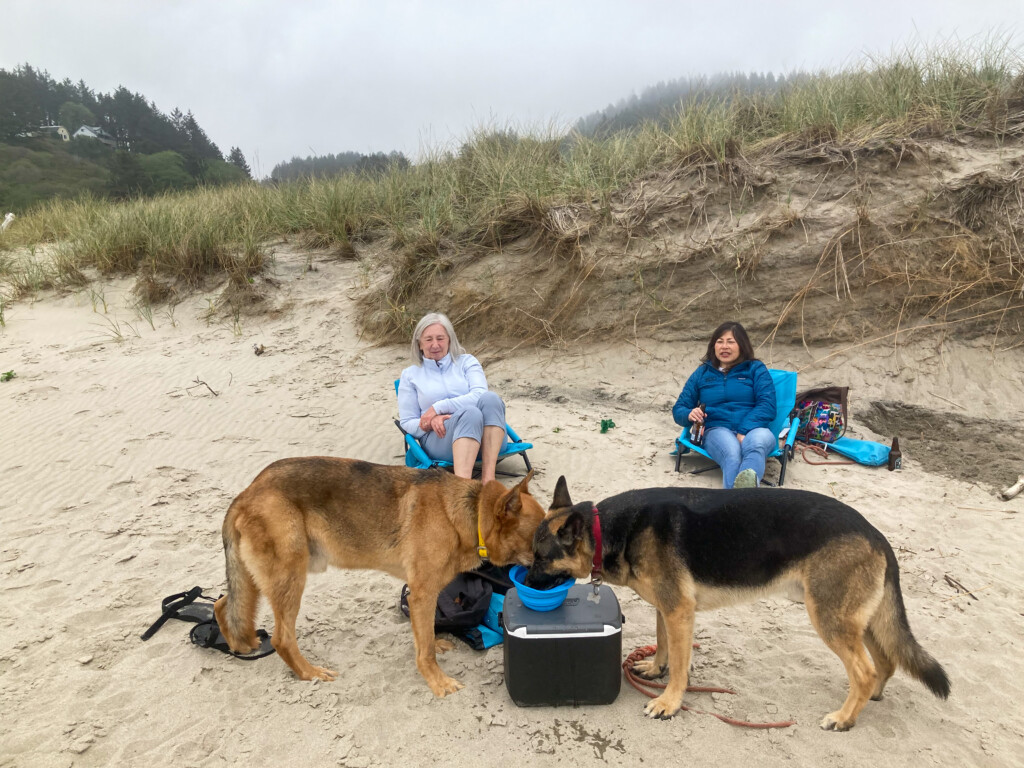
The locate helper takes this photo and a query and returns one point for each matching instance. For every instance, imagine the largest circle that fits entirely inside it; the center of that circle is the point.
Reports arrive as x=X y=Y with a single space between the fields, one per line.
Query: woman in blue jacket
x=443 y=401
x=739 y=404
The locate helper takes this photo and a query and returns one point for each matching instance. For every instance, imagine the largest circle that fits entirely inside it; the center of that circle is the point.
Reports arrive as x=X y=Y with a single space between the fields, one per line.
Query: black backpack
x=462 y=604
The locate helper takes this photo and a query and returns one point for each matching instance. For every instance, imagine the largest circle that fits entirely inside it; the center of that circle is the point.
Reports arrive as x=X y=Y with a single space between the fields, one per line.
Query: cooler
x=571 y=655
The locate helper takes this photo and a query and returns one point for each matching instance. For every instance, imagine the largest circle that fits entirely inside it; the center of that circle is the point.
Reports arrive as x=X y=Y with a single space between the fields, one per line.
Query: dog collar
x=481 y=549
x=595 y=527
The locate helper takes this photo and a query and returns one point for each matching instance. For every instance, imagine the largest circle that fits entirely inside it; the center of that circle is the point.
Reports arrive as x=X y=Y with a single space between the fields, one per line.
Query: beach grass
x=501 y=183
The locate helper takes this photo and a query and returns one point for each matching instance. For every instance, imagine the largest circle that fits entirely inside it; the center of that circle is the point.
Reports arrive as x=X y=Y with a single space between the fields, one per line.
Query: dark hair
x=746 y=348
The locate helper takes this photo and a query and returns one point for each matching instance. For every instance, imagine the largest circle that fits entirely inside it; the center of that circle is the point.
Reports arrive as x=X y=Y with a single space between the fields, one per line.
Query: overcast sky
x=284 y=79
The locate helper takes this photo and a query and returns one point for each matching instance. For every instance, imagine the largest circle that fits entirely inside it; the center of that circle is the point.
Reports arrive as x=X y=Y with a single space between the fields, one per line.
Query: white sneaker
x=746 y=479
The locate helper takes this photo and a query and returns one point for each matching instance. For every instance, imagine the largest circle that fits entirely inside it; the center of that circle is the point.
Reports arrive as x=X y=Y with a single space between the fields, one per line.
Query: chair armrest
x=412 y=445
x=794 y=425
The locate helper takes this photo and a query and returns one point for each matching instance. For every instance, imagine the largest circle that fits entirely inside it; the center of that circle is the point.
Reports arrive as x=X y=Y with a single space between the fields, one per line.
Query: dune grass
x=500 y=183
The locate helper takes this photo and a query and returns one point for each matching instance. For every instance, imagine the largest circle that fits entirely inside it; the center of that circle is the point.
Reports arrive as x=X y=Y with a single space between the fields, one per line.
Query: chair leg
x=514 y=474
x=783 y=459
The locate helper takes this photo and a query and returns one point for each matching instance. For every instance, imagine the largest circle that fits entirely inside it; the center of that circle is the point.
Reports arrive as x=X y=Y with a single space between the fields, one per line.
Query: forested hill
x=148 y=152
x=660 y=102
x=325 y=166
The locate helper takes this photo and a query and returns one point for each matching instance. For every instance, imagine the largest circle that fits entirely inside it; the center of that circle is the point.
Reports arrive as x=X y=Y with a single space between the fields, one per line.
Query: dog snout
x=537 y=579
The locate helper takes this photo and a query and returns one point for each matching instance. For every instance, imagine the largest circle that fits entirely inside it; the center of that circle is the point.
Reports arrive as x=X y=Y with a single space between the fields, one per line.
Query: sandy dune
x=116 y=468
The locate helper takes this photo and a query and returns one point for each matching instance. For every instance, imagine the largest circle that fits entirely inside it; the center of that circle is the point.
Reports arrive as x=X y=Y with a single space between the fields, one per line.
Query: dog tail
x=891 y=630
x=236 y=616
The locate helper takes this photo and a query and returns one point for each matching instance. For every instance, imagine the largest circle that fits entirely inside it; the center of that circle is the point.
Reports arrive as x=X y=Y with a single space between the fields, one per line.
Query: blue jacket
x=742 y=399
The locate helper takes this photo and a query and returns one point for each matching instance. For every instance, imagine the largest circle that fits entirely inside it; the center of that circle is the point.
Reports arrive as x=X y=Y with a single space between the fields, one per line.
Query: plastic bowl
x=539 y=599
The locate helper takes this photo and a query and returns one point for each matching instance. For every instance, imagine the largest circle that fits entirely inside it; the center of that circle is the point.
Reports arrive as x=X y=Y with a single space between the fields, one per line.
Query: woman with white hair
x=443 y=401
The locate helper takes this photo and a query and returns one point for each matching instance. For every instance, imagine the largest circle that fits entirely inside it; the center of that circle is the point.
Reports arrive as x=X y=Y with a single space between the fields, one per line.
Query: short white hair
x=454 y=348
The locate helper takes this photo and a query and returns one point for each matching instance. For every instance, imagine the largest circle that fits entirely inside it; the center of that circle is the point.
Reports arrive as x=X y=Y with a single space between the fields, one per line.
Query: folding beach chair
x=785 y=401
x=415 y=456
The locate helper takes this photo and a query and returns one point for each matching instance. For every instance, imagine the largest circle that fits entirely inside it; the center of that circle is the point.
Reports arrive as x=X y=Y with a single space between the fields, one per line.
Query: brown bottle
x=895 y=455
x=697 y=430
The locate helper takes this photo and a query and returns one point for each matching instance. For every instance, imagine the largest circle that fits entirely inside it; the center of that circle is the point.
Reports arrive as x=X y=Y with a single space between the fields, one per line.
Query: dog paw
x=445 y=686
x=832 y=722
x=661 y=708
x=442 y=646
x=648 y=669
x=320 y=673
x=249 y=645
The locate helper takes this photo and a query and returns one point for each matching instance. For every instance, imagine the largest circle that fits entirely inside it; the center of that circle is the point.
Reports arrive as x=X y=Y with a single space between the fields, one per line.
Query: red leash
x=804 y=448
x=637 y=682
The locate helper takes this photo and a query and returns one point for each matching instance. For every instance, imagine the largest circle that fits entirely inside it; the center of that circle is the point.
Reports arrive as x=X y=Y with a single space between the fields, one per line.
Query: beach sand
x=118 y=461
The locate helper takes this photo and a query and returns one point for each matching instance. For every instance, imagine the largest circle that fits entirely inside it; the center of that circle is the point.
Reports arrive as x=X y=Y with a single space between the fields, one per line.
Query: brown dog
x=421 y=526
x=685 y=550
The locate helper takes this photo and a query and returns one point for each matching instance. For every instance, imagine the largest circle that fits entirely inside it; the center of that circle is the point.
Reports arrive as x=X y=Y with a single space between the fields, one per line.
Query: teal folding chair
x=416 y=457
x=785 y=402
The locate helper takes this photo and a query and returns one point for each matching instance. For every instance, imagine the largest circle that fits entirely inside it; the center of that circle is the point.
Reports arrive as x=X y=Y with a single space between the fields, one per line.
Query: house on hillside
x=52 y=131
x=97 y=133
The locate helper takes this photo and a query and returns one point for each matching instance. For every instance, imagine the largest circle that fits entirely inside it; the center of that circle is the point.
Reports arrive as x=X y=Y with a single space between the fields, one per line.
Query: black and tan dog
x=691 y=549
x=421 y=526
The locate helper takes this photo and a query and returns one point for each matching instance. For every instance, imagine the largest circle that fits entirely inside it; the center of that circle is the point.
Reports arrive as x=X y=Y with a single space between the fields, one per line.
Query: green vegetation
x=46 y=169
x=500 y=186
x=326 y=166
x=142 y=151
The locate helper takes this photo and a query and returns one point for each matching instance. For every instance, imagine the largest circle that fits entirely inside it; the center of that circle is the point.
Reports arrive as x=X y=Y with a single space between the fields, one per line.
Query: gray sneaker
x=746 y=479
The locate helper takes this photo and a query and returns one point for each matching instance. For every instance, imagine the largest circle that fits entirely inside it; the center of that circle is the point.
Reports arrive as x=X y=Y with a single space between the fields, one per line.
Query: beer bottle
x=697 y=428
x=895 y=455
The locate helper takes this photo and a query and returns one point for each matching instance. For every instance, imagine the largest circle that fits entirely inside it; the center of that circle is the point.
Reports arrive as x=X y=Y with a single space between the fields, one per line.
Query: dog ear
x=561 y=498
x=511 y=503
x=524 y=484
x=571 y=532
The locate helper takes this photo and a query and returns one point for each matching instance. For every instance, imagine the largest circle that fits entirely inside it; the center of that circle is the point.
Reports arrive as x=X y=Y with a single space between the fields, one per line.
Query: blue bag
x=866 y=452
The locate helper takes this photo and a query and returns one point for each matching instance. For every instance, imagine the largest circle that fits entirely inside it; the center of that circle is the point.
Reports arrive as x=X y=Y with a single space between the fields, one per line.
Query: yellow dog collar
x=481 y=549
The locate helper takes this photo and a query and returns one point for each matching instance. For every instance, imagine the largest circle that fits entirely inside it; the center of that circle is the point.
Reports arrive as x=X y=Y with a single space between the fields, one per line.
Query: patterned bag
x=823 y=414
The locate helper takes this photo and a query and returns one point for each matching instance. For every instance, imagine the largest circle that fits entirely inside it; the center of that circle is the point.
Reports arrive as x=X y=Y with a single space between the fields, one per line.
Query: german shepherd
x=691 y=549
x=423 y=526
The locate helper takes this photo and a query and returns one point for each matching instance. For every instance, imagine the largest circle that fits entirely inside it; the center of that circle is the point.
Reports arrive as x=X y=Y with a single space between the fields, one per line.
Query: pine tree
x=237 y=159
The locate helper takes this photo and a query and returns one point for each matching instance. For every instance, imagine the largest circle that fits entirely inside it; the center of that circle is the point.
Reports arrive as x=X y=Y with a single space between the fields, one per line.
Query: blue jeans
x=733 y=456
x=469 y=422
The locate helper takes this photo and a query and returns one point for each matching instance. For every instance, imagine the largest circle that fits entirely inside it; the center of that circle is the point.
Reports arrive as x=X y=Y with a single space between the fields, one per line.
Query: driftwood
x=200 y=383
x=1013 y=490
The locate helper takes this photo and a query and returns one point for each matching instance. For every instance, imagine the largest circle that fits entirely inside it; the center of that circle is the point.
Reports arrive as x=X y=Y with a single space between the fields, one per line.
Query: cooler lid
x=581 y=612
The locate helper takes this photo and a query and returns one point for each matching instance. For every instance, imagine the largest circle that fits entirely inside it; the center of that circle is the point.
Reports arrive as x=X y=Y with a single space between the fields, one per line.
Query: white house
x=97 y=133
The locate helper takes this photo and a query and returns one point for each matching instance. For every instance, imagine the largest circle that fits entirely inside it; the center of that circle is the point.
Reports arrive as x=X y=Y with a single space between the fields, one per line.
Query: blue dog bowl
x=539 y=599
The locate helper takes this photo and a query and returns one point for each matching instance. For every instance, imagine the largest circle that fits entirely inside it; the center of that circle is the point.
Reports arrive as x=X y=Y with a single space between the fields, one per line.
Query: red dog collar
x=595 y=574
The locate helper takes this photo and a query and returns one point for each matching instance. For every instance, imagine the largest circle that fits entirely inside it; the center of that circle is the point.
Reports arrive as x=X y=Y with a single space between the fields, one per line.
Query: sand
x=118 y=461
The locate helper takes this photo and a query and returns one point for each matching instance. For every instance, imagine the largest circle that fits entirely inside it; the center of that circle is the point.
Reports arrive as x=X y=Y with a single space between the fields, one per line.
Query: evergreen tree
x=20 y=106
x=199 y=142
x=73 y=116
x=237 y=159
x=126 y=176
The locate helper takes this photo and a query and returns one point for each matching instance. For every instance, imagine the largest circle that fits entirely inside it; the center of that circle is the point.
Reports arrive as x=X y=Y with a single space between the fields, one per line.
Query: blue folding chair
x=785 y=401
x=416 y=457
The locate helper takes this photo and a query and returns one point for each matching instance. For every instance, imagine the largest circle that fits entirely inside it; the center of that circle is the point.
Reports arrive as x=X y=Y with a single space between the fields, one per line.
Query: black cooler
x=571 y=655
